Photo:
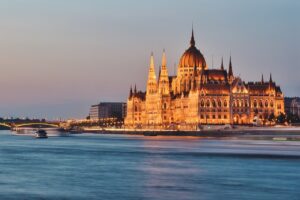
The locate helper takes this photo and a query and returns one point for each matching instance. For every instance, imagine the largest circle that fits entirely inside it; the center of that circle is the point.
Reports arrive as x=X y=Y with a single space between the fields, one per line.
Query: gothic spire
x=163 y=76
x=262 y=78
x=151 y=84
x=271 y=81
x=230 y=73
x=130 y=93
x=151 y=61
x=164 y=60
x=135 y=90
x=192 y=42
x=222 y=65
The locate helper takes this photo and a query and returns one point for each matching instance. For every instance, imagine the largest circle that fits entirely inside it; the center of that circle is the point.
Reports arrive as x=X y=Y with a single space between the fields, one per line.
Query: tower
x=151 y=83
x=163 y=85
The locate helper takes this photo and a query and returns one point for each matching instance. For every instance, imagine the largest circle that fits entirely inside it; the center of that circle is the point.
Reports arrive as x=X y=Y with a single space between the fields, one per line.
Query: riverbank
x=268 y=133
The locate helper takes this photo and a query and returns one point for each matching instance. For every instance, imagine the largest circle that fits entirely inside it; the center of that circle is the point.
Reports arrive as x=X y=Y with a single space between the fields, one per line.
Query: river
x=95 y=166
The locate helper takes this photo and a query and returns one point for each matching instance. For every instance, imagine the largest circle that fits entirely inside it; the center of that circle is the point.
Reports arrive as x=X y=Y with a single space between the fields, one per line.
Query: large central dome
x=192 y=57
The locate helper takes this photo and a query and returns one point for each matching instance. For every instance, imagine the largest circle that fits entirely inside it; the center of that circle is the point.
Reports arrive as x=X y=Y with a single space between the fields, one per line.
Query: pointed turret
x=262 y=79
x=130 y=93
x=192 y=42
x=135 y=90
x=230 y=72
x=164 y=60
x=222 y=65
x=163 y=76
x=270 y=82
x=151 y=83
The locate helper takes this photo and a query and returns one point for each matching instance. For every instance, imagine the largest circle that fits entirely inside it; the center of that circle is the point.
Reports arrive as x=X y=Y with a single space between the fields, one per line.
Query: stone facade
x=198 y=95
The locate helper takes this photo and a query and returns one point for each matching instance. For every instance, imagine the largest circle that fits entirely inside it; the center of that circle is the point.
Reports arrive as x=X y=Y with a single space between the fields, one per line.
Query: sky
x=58 y=57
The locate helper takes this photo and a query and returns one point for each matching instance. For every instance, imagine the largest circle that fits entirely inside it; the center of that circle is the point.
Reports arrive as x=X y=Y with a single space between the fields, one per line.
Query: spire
x=152 y=61
x=151 y=84
x=163 y=76
x=192 y=42
x=222 y=65
x=230 y=73
x=262 y=78
x=164 y=60
x=130 y=93
x=159 y=72
x=271 y=81
x=135 y=90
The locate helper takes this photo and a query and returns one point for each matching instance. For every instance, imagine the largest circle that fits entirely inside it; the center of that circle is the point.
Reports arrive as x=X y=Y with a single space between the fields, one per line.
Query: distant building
x=108 y=110
x=292 y=105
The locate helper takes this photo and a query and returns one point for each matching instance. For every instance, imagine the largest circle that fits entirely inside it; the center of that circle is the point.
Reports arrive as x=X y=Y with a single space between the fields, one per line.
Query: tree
x=271 y=117
x=292 y=118
x=281 y=118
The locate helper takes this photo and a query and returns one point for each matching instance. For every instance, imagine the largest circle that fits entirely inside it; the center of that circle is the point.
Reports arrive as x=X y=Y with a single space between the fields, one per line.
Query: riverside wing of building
x=199 y=95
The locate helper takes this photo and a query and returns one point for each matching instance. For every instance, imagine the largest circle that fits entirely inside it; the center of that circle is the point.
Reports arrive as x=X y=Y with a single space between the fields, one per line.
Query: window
x=214 y=104
x=271 y=104
x=164 y=106
x=225 y=116
x=261 y=104
x=266 y=103
x=219 y=116
x=207 y=103
x=279 y=106
x=255 y=103
x=202 y=103
x=225 y=103
x=214 y=116
x=219 y=103
x=201 y=116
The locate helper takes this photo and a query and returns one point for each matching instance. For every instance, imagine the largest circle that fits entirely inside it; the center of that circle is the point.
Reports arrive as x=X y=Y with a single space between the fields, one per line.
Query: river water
x=90 y=166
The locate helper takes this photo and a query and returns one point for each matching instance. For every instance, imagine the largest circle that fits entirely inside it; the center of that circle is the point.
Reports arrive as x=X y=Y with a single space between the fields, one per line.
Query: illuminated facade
x=199 y=95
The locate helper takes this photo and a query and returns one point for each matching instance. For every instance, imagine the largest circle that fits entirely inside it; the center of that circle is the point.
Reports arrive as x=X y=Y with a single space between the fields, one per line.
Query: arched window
x=238 y=103
x=246 y=103
x=214 y=103
x=261 y=104
x=225 y=103
x=219 y=103
x=202 y=103
x=207 y=103
x=266 y=103
x=135 y=108
x=242 y=103
x=279 y=106
x=234 y=104
x=255 y=104
x=271 y=104
x=164 y=106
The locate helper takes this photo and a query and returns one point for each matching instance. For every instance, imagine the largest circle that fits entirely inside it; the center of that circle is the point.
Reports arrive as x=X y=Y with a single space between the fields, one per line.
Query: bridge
x=30 y=125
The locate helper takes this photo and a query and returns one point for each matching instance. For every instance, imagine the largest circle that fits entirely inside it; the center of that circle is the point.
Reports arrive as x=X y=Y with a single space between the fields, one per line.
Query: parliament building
x=198 y=96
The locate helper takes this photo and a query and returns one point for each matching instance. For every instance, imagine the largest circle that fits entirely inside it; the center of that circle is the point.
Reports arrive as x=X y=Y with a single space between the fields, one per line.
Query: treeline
x=20 y=120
